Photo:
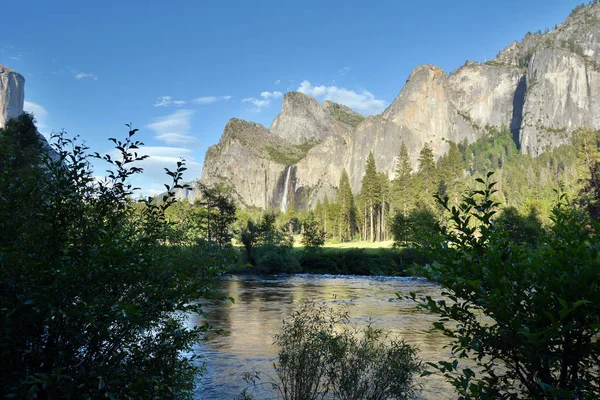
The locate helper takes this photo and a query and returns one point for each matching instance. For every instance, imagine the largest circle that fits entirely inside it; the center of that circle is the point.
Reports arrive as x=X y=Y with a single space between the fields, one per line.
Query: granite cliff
x=12 y=94
x=12 y=100
x=542 y=88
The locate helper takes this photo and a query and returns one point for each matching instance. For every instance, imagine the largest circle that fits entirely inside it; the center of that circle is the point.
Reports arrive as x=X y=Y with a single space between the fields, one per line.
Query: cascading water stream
x=285 y=190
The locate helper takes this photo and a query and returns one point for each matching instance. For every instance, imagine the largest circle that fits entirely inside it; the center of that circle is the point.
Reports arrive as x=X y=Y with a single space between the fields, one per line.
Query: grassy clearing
x=360 y=245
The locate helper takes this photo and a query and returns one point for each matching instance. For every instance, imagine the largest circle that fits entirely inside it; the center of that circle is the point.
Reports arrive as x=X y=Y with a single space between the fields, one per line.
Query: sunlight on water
x=261 y=304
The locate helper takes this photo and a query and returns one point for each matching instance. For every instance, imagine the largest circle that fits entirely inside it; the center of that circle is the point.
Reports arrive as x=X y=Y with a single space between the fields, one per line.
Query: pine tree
x=319 y=214
x=450 y=168
x=427 y=176
x=370 y=191
x=589 y=155
x=402 y=181
x=346 y=201
x=326 y=216
x=383 y=205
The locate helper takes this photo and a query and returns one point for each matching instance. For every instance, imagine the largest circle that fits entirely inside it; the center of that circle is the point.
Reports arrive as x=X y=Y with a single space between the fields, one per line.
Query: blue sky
x=179 y=70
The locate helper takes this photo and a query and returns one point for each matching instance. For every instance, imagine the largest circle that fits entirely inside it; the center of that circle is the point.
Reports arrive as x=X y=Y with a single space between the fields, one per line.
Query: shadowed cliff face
x=284 y=196
x=12 y=100
x=542 y=88
x=563 y=95
x=12 y=94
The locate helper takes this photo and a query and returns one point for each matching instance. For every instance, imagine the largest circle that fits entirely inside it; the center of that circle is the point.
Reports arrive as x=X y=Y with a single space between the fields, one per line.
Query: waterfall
x=285 y=190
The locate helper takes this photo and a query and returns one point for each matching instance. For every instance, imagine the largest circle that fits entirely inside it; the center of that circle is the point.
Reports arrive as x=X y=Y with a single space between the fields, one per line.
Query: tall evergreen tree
x=402 y=180
x=326 y=206
x=450 y=168
x=589 y=155
x=370 y=192
x=383 y=205
x=346 y=201
x=319 y=214
x=427 y=176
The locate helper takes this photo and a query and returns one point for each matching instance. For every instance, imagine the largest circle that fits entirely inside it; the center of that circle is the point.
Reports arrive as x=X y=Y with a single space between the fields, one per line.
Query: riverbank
x=339 y=259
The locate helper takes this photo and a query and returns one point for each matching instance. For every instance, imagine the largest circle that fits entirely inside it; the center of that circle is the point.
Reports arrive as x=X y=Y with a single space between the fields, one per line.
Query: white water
x=285 y=190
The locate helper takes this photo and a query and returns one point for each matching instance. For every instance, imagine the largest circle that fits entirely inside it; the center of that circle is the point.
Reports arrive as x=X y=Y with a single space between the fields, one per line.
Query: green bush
x=321 y=354
x=93 y=302
x=276 y=259
x=529 y=319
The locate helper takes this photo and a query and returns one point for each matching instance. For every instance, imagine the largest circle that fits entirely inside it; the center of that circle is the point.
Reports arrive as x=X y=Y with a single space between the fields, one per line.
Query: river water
x=261 y=304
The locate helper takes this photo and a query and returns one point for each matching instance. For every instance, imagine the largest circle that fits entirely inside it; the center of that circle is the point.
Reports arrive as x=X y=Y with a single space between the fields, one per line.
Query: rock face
x=303 y=120
x=12 y=100
x=286 y=164
x=542 y=89
x=563 y=94
x=488 y=95
x=12 y=94
x=562 y=71
x=243 y=158
x=435 y=108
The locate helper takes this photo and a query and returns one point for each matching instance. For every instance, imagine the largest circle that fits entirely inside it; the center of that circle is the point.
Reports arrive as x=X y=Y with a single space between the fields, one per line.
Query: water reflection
x=261 y=304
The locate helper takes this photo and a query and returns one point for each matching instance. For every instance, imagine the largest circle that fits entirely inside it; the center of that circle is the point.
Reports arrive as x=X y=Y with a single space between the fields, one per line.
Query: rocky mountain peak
x=425 y=84
x=302 y=120
x=343 y=114
x=579 y=33
x=543 y=88
x=12 y=94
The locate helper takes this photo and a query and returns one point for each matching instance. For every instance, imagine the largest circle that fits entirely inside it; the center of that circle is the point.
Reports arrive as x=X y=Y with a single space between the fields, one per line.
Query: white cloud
x=278 y=81
x=271 y=95
x=161 y=157
x=263 y=101
x=37 y=110
x=40 y=114
x=344 y=71
x=83 y=75
x=179 y=121
x=164 y=101
x=177 y=139
x=210 y=99
x=173 y=129
x=363 y=102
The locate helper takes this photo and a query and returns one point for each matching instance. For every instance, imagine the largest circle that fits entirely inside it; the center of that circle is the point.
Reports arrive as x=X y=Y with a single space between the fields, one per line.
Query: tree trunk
x=372 y=227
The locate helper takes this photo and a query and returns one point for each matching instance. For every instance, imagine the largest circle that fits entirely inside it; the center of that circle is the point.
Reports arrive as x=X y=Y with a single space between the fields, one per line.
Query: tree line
x=384 y=208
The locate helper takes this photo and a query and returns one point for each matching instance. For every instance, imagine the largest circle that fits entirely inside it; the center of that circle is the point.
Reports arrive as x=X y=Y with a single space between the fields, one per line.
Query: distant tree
x=383 y=205
x=325 y=216
x=348 y=210
x=249 y=236
x=370 y=192
x=525 y=230
x=426 y=177
x=220 y=214
x=589 y=155
x=450 y=168
x=313 y=236
x=20 y=143
x=402 y=180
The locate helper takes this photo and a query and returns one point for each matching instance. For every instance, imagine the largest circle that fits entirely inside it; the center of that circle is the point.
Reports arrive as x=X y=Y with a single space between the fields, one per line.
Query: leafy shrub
x=363 y=367
x=320 y=354
x=313 y=237
x=539 y=335
x=416 y=228
x=93 y=302
x=276 y=259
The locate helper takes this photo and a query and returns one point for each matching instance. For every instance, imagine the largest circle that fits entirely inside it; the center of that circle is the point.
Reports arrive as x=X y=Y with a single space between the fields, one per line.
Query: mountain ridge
x=543 y=88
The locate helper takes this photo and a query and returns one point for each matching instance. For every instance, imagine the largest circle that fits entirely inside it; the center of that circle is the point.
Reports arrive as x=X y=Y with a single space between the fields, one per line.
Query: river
x=261 y=304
